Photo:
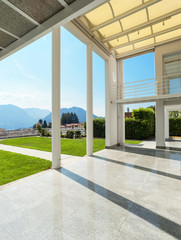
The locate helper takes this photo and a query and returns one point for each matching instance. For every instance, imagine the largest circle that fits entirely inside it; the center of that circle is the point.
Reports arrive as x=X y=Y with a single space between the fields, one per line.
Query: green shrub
x=175 y=126
x=77 y=134
x=45 y=133
x=144 y=114
x=141 y=126
x=136 y=129
x=98 y=127
x=147 y=118
x=70 y=134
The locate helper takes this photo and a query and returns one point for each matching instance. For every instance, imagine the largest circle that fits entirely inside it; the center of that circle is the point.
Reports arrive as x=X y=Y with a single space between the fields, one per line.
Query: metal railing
x=170 y=84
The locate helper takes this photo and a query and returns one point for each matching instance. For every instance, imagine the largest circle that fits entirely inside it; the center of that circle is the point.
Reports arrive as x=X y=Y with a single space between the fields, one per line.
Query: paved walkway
x=65 y=159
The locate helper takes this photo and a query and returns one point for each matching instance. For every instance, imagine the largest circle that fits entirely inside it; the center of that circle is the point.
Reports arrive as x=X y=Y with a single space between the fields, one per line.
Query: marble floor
x=120 y=194
x=173 y=145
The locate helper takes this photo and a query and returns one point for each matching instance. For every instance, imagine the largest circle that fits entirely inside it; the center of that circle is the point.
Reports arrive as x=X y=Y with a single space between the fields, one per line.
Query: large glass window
x=172 y=73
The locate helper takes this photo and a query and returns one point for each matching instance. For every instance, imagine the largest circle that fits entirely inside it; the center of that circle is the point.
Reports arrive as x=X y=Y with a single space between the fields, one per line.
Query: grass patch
x=14 y=166
x=75 y=147
x=133 y=141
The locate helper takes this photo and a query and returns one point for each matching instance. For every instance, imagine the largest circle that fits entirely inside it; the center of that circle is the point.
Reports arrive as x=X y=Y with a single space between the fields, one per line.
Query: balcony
x=149 y=89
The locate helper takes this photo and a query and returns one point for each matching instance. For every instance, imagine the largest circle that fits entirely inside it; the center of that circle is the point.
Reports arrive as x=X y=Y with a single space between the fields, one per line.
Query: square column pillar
x=56 y=98
x=167 y=135
x=121 y=114
x=110 y=108
x=89 y=112
x=160 y=124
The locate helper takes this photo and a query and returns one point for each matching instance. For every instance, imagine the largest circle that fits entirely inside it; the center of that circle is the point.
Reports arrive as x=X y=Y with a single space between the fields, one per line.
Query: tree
x=44 y=125
x=39 y=127
x=175 y=114
x=75 y=118
x=152 y=106
x=40 y=121
x=69 y=118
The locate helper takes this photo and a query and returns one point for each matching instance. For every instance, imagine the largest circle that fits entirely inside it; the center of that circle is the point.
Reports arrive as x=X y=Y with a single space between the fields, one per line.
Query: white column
x=107 y=103
x=167 y=124
x=110 y=108
x=56 y=98
x=121 y=114
x=121 y=124
x=89 y=112
x=160 y=124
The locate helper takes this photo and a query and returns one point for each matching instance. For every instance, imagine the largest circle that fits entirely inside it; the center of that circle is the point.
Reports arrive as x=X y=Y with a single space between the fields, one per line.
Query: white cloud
x=24 y=100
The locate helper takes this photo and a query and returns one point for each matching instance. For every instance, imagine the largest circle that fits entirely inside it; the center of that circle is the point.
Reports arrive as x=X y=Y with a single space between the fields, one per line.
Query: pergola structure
x=115 y=30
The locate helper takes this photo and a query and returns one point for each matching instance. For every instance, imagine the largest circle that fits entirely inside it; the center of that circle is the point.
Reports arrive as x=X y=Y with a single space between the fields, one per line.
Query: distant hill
x=13 y=117
x=37 y=113
x=81 y=113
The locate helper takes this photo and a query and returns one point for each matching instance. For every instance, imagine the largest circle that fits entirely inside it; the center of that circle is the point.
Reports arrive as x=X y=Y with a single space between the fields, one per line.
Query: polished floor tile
x=118 y=194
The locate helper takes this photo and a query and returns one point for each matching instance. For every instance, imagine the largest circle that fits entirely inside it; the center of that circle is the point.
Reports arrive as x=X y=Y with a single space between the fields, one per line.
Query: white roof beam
x=9 y=33
x=147 y=37
x=125 y=14
x=20 y=12
x=141 y=26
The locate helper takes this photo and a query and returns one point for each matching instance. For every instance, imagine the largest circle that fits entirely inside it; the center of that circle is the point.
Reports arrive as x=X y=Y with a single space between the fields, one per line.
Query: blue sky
x=26 y=75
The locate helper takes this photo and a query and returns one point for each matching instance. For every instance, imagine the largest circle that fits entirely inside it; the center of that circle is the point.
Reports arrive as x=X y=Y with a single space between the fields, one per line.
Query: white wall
x=162 y=126
x=159 y=52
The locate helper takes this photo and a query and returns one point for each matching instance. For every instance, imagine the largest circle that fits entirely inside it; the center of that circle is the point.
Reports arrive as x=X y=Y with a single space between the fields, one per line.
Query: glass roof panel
x=173 y=21
x=119 y=41
x=100 y=14
x=124 y=49
x=170 y=35
x=163 y=7
x=110 y=29
x=144 y=43
x=121 y=6
x=140 y=34
x=134 y=19
x=121 y=31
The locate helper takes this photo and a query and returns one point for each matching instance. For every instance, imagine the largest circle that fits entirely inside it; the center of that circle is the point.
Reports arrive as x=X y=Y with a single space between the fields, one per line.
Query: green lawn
x=133 y=141
x=76 y=147
x=14 y=166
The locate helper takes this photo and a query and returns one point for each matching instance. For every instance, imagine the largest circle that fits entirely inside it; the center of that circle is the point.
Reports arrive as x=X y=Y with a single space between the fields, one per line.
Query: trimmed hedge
x=175 y=126
x=136 y=129
x=98 y=127
x=142 y=125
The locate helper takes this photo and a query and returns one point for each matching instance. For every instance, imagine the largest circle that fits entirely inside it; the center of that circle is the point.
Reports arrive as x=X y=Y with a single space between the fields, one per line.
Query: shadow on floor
x=159 y=153
x=139 y=167
x=153 y=218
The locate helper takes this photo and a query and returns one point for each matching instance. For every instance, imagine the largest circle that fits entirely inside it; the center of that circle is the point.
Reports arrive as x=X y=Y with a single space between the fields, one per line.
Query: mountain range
x=81 y=113
x=13 y=117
